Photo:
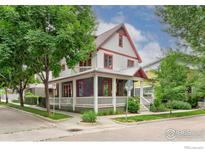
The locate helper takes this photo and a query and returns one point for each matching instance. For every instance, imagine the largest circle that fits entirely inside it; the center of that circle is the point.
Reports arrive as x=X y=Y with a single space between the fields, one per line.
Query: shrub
x=160 y=108
x=157 y=106
x=133 y=105
x=109 y=112
x=193 y=101
x=42 y=102
x=106 y=112
x=31 y=100
x=180 y=105
x=89 y=116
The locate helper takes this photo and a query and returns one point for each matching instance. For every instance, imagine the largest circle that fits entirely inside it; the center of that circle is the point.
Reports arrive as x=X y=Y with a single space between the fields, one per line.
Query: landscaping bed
x=55 y=116
x=159 y=116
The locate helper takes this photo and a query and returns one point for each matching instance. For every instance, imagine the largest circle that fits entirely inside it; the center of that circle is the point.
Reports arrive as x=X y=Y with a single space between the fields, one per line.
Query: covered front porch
x=93 y=90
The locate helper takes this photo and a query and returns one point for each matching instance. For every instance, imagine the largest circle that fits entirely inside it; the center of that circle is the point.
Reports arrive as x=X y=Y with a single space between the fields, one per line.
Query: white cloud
x=119 y=18
x=151 y=52
x=136 y=34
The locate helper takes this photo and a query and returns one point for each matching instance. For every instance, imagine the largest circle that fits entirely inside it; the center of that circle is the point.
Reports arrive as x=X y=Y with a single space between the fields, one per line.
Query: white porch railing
x=104 y=101
x=81 y=68
x=145 y=102
x=85 y=102
x=63 y=101
x=121 y=101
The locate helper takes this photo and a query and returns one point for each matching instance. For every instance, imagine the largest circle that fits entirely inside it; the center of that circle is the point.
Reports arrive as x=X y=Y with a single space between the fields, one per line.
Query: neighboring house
x=148 y=91
x=99 y=82
x=38 y=89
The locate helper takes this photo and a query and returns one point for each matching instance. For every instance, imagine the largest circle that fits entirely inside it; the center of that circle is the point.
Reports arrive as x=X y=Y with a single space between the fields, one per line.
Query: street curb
x=158 y=120
x=40 y=117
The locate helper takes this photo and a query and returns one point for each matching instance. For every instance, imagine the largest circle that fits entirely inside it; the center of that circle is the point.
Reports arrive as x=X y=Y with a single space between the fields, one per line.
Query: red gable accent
x=140 y=73
x=132 y=44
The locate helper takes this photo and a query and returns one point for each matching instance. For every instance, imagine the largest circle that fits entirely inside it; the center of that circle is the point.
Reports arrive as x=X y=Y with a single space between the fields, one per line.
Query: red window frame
x=109 y=56
x=120 y=43
x=130 y=63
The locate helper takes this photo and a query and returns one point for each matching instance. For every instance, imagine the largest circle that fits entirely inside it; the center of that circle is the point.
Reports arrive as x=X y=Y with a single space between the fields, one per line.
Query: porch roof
x=129 y=72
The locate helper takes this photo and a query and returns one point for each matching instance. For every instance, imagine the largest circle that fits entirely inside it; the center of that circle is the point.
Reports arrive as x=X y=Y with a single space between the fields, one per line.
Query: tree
x=5 y=77
x=13 y=49
x=187 y=23
x=171 y=79
x=58 y=32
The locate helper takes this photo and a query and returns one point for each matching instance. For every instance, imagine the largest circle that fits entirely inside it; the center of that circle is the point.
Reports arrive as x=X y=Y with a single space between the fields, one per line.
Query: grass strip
x=138 y=118
x=55 y=116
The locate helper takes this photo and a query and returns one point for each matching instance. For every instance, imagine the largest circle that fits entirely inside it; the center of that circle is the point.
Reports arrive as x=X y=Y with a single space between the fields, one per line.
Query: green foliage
x=157 y=106
x=89 y=116
x=171 y=77
x=159 y=116
x=187 y=23
x=31 y=100
x=133 y=105
x=109 y=112
x=179 y=105
x=55 y=116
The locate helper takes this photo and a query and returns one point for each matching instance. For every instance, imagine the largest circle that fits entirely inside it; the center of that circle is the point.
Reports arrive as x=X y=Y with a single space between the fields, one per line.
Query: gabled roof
x=102 y=38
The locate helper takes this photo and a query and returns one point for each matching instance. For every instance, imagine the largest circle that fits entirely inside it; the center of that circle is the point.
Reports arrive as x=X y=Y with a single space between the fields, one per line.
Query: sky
x=143 y=25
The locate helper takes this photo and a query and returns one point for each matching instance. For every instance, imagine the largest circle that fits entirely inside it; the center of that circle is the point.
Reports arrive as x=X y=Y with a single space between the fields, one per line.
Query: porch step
x=143 y=108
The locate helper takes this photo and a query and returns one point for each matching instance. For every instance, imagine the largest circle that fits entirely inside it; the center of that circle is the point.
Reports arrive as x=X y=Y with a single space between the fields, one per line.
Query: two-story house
x=99 y=82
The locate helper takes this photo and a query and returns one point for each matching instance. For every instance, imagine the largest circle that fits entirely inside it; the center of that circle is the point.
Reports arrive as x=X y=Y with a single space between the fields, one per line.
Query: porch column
x=60 y=94
x=74 y=94
x=141 y=90
x=95 y=93
x=114 y=94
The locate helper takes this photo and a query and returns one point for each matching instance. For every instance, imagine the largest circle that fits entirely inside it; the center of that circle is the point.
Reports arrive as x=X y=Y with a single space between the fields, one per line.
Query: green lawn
x=55 y=116
x=159 y=116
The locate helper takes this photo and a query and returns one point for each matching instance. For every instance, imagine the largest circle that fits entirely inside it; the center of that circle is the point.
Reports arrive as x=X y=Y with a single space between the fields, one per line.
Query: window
x=85 y=87
x=63 y=67
x=120 y=40
x=67 y=89
x=130 y=63
x=108 y=61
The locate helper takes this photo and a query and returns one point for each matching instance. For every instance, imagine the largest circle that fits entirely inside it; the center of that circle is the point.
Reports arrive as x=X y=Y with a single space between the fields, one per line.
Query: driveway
x=186 y=129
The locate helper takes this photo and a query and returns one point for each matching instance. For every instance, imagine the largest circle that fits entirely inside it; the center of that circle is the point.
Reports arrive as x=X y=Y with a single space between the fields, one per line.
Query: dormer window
x=120 y=40
x=108 y=61
x=130 y=63
x=63 y=67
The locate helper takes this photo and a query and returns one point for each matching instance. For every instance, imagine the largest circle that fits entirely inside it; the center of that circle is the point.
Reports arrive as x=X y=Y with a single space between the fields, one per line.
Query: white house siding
x=119 y=61
x=112 y=44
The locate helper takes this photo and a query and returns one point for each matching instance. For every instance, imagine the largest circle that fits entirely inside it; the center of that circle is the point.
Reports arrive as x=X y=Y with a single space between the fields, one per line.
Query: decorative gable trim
x=140 y=73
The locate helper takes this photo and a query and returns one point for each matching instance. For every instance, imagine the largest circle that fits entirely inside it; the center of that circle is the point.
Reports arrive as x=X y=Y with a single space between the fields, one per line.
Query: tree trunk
x=47 y=96
x=6 y=91
x=21 y=98
x=46 y=85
